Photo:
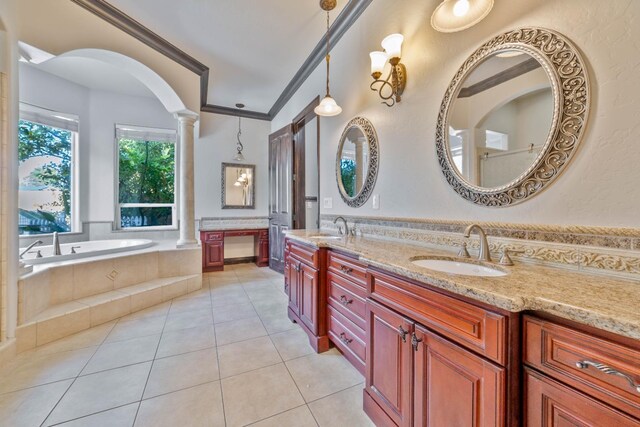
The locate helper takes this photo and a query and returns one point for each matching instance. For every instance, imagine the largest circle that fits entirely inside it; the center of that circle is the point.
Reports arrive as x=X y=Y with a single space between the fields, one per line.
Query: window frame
x=74 y=199
x=117 y=225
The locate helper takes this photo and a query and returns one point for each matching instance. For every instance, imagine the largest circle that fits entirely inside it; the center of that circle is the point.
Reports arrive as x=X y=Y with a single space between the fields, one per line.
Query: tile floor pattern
x=225 y=355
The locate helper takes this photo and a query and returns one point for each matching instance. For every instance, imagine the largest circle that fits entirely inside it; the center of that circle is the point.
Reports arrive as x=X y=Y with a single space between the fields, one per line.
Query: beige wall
x=600 y=186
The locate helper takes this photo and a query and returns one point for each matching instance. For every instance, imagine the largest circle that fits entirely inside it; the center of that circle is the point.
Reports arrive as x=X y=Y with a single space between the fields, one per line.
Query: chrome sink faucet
x=484 y=254
x=346 y=226
x=56 y=244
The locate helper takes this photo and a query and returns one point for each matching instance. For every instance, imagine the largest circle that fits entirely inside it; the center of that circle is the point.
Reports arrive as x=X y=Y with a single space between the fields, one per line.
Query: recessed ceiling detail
x=236 y=68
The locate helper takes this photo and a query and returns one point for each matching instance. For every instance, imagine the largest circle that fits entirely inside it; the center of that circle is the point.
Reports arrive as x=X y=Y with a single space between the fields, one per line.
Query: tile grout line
x=78 y=375
x=135 y=418
x=288 y=371
x=215 y=341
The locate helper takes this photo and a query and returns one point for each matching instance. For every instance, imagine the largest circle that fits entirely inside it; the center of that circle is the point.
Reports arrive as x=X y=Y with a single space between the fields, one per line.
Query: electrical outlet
x=376 y=201
x=327 y=203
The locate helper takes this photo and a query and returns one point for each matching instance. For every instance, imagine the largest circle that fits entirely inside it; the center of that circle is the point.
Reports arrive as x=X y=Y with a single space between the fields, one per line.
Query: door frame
x=299 y=167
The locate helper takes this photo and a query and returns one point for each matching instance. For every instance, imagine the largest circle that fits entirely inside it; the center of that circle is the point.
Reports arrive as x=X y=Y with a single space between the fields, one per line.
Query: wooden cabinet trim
x=348 y=267
x=471 y=326
x=556 y=350
x=550 y=403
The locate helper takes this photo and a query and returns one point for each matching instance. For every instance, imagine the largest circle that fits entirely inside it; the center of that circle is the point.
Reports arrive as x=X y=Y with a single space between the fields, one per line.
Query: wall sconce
x=391 y=88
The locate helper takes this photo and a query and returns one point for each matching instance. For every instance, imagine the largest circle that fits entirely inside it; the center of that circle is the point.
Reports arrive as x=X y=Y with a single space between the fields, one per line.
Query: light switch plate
x=328 y=202
x=376 y=201
x=309 y=205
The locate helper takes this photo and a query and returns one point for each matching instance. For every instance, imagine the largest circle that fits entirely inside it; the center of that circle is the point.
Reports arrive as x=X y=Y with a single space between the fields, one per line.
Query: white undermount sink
x=459 y=267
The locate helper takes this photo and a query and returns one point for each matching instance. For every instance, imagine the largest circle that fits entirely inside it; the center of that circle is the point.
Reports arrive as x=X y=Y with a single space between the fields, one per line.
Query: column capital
x=187 y=116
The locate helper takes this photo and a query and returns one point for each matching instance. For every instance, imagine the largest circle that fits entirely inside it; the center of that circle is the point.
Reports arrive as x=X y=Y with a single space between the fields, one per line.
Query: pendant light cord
x=328 y=57
x=239 y=147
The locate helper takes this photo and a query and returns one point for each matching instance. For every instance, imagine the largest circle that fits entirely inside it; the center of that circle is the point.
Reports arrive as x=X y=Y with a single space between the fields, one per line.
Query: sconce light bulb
x=461 y=7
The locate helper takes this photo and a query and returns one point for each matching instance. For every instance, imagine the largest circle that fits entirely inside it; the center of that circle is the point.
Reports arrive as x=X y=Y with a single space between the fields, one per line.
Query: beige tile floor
x=225 y=355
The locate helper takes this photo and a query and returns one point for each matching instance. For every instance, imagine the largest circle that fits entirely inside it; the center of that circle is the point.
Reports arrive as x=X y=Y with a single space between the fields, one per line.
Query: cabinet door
x=454 y=387
x=214 y=254
x=551 y=404
x=389 y=362
x=263 y=252
x=308 y=287
x=293 y=290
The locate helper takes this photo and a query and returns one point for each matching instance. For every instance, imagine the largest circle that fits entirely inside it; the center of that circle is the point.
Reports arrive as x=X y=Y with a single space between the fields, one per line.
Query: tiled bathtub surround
x=595 y=249
x=61 y=299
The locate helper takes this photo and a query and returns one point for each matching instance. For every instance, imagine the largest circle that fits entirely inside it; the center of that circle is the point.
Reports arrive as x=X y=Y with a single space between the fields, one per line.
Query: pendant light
x=457 y=15
x=239 y=157
x=328 y=106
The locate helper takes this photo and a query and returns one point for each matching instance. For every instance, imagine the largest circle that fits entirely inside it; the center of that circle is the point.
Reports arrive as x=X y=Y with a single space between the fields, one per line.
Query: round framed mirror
x=357 y=162
x=512 y=117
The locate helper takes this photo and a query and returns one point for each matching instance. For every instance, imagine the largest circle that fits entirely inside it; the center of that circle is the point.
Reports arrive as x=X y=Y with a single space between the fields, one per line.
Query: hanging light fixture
x=457 y=15
x=239 y=157
x=328 y=106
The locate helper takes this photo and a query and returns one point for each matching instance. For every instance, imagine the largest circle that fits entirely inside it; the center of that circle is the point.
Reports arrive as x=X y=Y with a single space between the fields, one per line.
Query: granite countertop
x=607 y=303
x=232 y=227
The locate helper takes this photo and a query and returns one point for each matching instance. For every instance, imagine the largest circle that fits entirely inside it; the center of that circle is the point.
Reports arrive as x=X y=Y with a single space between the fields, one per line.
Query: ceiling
x=252 y=47
x=94 y=74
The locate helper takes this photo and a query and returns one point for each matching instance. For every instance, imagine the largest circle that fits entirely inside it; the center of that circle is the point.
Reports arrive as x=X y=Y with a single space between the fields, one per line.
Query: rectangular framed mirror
x=238 y=186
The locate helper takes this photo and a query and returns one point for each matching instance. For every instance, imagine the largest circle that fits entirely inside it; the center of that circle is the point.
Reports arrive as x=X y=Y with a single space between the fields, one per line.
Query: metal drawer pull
x=403 y=333
x=346 y=270
x=608 y=370
x=415 y=341
x=345 y=301
x=344 y=339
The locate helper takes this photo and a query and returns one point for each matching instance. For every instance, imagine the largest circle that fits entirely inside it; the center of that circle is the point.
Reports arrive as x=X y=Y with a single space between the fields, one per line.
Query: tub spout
x=56 y=244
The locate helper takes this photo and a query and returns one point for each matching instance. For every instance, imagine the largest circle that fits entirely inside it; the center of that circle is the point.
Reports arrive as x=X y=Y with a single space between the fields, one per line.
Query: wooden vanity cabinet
x=418 y=375
x=304 y=284
x=578 y=377
x=346 y=300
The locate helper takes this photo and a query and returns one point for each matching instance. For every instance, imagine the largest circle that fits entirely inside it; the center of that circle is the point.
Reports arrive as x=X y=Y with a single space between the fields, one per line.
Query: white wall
x=600 y=185
x=216 y=145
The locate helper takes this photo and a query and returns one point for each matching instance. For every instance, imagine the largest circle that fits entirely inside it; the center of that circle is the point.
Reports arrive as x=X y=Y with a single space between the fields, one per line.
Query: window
x=46 y=155
x=146 y=177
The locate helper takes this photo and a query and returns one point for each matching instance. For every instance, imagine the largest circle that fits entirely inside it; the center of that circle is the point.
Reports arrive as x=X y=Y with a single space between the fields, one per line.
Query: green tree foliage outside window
x=348 y=174
x=147 y=174
x=53 y=174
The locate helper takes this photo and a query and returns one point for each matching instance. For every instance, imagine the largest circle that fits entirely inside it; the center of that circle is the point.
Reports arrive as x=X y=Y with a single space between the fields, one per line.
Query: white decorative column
x=187 y=121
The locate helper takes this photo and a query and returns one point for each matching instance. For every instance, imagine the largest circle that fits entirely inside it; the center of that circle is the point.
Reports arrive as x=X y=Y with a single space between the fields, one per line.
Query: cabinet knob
x=403 y=333
x=345 y=269
x=415 y=341
x=344 y=339
x=345 y=301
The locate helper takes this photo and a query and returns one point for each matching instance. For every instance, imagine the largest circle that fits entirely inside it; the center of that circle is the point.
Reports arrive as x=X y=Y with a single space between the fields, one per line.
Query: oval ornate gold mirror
x=512 y=117
x=357 y=162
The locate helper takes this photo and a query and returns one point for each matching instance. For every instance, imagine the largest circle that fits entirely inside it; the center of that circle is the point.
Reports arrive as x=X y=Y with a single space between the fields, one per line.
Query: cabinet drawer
x=603 y=369
x=347 y=298
x=348 y=267
x=549 y=403
x=473 y=327
x=306 y=254
x=212 y=236
x=348 y=338
x=240 y=233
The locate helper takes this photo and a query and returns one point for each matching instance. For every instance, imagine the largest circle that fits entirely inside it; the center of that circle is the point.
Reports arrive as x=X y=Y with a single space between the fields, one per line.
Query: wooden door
x=551 y=404
x=308 y=288
x=280 y=193
x=454 y=387
x=293 y=282
x=389 y=362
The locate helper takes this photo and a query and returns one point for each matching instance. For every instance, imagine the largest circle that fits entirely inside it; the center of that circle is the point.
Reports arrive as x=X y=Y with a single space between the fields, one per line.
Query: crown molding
x=126 y=23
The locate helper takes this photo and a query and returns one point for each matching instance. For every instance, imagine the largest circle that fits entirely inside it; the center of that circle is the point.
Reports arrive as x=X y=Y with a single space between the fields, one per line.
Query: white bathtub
x=84 y=249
